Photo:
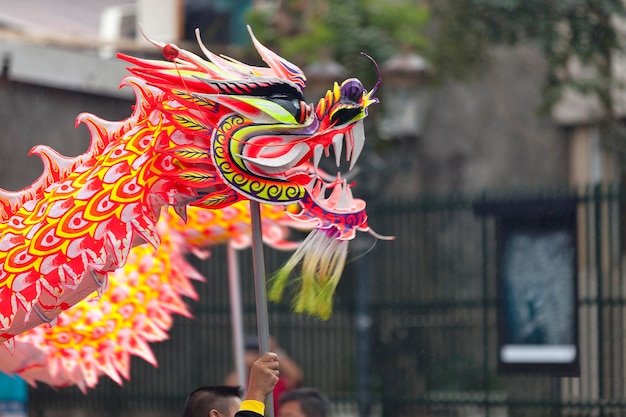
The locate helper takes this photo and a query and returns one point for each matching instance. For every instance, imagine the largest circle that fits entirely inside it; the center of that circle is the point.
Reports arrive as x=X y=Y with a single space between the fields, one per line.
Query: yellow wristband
x=252 y=405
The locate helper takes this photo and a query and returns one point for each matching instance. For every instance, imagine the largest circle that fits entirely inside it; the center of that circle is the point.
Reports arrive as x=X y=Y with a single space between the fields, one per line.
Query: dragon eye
x=294 y=105
x=285 y=95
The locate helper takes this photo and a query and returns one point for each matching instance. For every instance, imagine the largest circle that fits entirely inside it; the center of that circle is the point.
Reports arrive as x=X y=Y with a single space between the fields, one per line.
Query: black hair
x=202 y=400
x=251 y=342
x=312 y=402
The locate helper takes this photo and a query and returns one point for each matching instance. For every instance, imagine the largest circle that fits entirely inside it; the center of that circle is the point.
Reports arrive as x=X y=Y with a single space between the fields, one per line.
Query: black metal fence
x=415 y=326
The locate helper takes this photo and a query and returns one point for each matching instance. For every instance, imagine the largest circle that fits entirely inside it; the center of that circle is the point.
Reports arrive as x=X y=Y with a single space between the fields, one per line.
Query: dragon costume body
x=99 y=335
x=205 y=133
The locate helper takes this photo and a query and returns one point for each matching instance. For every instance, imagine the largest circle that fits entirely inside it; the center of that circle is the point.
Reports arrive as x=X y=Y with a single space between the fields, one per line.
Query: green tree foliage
x=452 y=34
x=345 y=28
x=565 y=30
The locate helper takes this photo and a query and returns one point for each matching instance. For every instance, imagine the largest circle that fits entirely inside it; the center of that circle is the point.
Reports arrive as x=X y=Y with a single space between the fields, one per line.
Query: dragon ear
x=279 y=65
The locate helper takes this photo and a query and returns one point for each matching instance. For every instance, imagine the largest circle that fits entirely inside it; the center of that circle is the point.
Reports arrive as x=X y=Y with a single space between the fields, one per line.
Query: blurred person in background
x=304 y=402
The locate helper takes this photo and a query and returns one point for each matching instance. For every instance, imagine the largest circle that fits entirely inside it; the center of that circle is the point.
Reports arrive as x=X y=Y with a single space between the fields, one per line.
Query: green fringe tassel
x=323 y=259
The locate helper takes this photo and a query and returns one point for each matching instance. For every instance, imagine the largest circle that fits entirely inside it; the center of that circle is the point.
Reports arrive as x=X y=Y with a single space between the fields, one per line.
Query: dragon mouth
x=270 y=160
x=354 y=140
x=333 y=193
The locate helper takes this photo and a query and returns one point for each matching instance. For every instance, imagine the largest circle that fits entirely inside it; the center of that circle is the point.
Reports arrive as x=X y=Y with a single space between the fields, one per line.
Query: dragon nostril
x=345 y=115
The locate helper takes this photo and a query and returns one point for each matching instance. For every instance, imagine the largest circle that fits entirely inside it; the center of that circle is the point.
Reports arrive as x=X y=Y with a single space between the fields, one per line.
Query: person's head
x=214 y=401
x=251 y=354
x=303 y=402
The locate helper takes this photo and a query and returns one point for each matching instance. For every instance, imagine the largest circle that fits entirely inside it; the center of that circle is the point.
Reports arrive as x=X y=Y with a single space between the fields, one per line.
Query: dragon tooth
x=345 y=198
x=317 y=155
x=317 y=187
x=335 y=195
x=322 y=190
x=349 y=194
x=358 y=139
x=349 y=144
x=322 y=194
x=338 y=146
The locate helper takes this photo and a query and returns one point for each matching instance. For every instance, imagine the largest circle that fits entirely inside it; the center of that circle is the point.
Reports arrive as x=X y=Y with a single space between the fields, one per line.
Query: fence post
x=597 y=207
x=485 y=301
x=363 y=324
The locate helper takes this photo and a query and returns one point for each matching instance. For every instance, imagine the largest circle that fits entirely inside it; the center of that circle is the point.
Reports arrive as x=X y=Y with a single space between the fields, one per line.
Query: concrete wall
x=32 y=115
x=484 y=134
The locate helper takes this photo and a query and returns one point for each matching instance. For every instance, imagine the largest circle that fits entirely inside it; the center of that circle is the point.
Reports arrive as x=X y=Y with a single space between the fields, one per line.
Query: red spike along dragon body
x=203 y=132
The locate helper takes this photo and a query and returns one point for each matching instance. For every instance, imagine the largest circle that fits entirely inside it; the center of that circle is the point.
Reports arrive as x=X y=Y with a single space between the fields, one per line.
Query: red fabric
x=279 y=388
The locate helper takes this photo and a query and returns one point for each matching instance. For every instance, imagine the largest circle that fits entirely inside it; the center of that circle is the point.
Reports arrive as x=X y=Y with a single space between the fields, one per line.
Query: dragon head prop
x=249 y=134
x=245 y=132
x=204 y=133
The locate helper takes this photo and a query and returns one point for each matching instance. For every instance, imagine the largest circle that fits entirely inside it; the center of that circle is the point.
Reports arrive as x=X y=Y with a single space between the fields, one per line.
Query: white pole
x=236 y=314
x=260 y=291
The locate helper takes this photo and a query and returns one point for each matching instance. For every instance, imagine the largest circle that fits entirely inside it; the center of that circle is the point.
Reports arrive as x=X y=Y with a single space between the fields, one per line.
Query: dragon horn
x=371 y=93
x=279 y=65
